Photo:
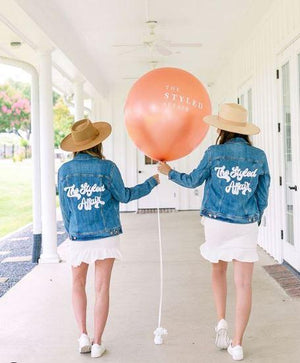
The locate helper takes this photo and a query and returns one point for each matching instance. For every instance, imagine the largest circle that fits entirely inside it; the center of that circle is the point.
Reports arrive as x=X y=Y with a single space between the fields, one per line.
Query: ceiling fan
x=154 y=42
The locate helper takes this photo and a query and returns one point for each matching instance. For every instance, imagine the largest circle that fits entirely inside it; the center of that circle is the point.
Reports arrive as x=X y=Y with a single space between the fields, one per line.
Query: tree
x=14 y=111
x=55 y=97
x=22 y=87
x=63 y=121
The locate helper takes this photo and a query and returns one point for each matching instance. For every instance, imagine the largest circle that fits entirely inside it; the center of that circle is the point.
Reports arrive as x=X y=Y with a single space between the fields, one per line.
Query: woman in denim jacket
x=90 y=190
x=237 y=180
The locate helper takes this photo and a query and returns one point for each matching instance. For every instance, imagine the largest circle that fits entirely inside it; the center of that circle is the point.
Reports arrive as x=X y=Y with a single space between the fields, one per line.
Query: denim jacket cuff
x=171 y=174
x=152 y=181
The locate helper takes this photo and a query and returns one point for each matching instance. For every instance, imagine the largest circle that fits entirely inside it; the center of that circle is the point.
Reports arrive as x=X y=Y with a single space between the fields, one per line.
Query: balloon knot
x=158 y=335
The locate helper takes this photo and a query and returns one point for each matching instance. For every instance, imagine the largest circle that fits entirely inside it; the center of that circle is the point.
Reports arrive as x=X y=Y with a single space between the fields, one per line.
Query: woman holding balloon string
x=237 y=180
x=90 y=190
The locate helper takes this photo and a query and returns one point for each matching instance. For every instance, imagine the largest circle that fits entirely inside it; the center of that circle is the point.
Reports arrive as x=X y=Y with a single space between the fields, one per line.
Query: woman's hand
x=164 y=168
x=156 y=177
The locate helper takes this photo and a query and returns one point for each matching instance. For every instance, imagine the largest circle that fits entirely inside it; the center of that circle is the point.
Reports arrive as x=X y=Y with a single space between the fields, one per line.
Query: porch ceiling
x=86 y=32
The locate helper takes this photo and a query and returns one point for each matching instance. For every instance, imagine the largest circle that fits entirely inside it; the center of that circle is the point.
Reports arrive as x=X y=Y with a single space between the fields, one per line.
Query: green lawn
x=15 y=195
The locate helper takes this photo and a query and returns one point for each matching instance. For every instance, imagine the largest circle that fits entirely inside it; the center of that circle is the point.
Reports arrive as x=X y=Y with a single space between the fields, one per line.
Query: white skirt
x=229 y=241
x=93 y=250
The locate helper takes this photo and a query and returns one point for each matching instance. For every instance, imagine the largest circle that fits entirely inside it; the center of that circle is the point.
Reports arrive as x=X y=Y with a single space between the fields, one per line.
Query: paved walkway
x=16 y=255
x=37 y=325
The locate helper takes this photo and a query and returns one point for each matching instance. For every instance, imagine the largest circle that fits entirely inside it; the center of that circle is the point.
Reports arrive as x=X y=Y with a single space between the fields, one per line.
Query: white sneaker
x=84 y=344
x=236 y=352
x=97 y=350
x=222 y=339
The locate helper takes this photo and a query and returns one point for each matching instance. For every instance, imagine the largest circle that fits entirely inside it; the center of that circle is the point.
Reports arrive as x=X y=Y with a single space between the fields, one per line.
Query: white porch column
x=49 y=239
x=35 y=147
x=93 y=115
x=78 y=100
x=105 y=110
x=96 y=109
x=36 y=182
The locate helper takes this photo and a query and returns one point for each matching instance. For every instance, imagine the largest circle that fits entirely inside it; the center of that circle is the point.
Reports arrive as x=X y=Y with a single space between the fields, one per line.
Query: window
x=149 y=161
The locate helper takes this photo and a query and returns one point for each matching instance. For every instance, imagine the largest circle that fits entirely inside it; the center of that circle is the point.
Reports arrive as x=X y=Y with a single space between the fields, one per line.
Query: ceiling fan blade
x=162 y=50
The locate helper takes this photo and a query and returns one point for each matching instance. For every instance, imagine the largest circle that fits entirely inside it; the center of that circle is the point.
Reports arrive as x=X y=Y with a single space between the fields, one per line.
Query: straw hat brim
x=248 y=129
x=104 y=129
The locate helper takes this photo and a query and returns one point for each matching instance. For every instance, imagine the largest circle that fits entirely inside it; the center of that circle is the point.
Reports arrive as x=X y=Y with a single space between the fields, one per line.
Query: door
x=289 y=74
x=167 y=190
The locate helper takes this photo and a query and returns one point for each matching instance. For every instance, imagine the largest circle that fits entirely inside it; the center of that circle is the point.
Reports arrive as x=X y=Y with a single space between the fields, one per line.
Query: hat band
x=85 y=141
x=233 y=123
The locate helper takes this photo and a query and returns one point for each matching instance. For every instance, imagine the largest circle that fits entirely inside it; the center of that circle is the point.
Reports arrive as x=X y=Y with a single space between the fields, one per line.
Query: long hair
x=93 y=151
x=225 y=136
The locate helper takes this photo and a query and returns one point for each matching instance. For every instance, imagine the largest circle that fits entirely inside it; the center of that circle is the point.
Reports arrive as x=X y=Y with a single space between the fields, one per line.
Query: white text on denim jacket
x=235 y=187
x=84 y=191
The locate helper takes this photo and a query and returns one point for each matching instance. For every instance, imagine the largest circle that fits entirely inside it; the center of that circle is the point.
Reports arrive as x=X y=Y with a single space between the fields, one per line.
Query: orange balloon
x=164 y=113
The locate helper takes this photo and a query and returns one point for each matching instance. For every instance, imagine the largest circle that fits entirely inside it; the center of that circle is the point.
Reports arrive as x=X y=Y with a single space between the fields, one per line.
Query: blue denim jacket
x=236 y=179
x=90 y=190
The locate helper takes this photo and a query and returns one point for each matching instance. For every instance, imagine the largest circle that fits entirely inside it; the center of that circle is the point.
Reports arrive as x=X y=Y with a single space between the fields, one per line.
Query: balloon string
x=161 y=260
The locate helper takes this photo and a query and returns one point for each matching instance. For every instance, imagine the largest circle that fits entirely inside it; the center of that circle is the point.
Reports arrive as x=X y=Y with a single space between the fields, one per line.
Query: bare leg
x=79 y=295
x=243 y=272
x=219 y=286
x=103 y=270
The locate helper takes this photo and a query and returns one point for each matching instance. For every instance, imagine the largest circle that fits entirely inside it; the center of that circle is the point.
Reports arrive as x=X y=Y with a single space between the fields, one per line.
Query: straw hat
x=85 y=134
x=232 y=117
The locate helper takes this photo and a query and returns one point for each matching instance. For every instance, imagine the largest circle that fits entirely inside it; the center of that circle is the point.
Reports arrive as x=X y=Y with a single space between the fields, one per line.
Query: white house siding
x=256 y=62
x=124 y=151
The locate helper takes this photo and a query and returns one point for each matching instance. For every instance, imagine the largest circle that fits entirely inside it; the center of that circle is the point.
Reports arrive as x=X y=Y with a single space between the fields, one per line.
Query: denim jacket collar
x=83 y=156
x=237 y=140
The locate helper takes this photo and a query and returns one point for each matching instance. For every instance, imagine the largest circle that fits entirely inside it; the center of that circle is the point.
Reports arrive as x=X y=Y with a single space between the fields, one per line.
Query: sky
x=15 y=73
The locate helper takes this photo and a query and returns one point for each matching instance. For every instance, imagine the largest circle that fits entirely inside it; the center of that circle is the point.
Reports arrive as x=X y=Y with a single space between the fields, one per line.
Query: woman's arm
x=193 y=179
x=125 y=195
